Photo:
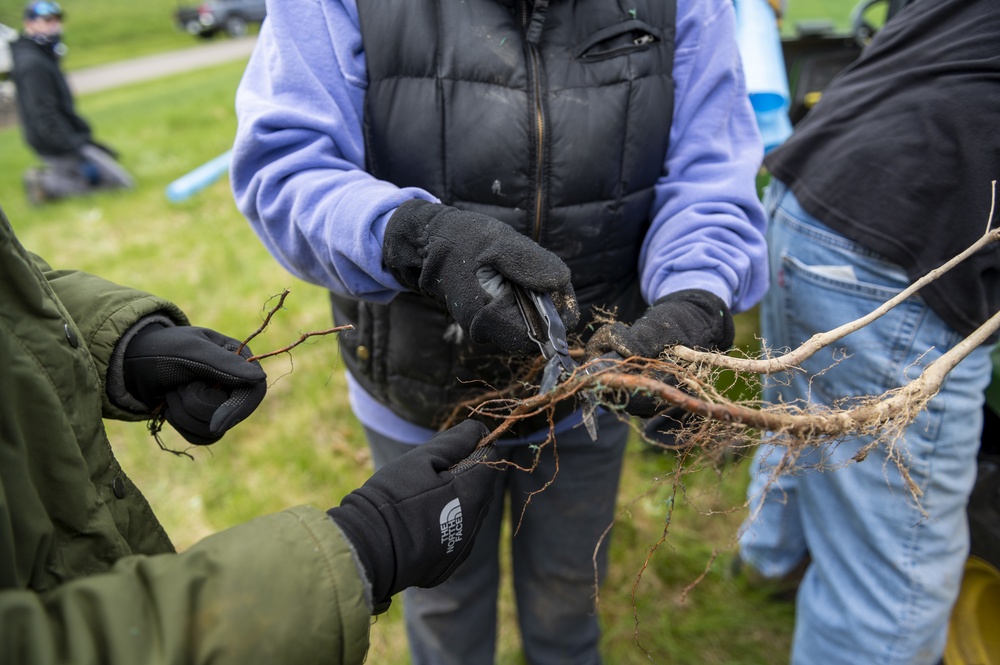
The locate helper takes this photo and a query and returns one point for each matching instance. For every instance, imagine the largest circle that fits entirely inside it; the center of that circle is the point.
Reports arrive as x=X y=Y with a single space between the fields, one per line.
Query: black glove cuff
x=405 y=240
x=720 y=332
x=134 y=384
x=117 y=390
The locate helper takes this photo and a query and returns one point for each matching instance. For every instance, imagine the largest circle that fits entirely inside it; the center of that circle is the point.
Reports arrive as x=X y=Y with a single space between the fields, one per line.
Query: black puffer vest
x=553 y=118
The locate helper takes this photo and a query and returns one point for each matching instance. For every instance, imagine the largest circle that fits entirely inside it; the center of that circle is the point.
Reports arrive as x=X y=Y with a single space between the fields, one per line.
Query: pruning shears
x=546 y=329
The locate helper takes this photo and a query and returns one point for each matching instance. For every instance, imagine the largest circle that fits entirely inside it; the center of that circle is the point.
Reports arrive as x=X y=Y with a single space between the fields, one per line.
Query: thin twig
x=285 y=349
x=267 y=320
x=303 y=337
x=795 y=358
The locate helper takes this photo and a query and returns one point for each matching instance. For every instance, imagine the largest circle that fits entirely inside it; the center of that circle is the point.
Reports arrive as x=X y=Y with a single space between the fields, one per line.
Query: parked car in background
x=230 y=16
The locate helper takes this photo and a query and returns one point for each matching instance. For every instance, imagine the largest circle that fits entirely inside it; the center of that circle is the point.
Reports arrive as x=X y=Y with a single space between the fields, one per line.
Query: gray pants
x=91 y=170
x=552 y=554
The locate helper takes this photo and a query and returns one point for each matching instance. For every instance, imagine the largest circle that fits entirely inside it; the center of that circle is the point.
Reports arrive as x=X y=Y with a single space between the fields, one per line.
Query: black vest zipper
x=540 y=142
x=534 y=71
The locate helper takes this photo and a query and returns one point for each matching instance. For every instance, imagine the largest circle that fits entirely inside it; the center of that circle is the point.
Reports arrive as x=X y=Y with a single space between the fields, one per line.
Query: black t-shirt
x=900 y=152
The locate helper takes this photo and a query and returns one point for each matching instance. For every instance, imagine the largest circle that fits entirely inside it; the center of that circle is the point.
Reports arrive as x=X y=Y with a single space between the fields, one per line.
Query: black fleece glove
x=692 y=318
x=466 y=261
x=414 y=521
x=206 y=386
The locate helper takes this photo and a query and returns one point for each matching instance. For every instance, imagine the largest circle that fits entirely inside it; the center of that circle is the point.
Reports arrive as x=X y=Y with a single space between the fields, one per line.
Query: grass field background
x=303 y=445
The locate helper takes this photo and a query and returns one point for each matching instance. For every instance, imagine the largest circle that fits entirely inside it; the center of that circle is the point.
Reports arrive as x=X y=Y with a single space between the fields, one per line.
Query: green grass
x=836 y=11
x=304 y=445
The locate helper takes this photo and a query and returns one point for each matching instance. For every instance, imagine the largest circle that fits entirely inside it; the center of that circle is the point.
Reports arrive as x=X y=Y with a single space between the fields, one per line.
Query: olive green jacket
x=87 y=573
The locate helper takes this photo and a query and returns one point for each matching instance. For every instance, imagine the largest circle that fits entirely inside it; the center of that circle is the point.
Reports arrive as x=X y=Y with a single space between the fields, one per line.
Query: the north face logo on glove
x=451 y=524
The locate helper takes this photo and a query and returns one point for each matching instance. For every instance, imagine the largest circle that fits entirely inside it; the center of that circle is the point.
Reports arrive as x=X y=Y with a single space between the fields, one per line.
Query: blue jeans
x=552 y=553
x=66 y=175
x=884 y=575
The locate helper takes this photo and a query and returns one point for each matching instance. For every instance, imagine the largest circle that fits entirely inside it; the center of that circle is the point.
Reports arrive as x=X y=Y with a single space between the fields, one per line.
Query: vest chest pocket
x=624 y=38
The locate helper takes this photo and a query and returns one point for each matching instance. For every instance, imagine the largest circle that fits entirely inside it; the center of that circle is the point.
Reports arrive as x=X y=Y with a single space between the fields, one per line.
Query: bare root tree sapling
x=689 y=379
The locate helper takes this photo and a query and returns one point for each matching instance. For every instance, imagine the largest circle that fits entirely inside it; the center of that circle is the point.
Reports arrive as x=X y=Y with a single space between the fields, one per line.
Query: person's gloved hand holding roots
x=206 y=387
x=466 y=260
x=694 y=318
x=414 y=521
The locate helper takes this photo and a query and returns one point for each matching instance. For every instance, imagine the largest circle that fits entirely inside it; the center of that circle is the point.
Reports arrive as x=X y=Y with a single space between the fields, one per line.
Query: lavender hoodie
x=298 y=167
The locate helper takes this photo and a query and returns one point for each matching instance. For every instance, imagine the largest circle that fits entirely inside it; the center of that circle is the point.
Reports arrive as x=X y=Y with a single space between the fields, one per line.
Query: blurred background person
x=74 y=162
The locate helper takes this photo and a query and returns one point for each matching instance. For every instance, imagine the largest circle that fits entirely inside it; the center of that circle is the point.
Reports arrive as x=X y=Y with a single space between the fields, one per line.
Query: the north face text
x=451 y=524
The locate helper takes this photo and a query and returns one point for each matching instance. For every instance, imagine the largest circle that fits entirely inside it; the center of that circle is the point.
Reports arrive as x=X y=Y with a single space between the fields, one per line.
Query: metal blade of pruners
x=546 y=329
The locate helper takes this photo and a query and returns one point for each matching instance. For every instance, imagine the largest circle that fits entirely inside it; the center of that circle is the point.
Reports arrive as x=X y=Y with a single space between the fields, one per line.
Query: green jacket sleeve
x=103 y=311
x=283 y=588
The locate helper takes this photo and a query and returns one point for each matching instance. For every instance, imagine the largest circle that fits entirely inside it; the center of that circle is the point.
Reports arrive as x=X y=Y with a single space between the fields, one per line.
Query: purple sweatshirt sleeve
x=708 y=225
x=298 y=162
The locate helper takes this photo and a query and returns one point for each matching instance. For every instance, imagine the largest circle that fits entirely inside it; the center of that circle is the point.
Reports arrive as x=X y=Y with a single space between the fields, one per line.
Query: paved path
x=103 y=77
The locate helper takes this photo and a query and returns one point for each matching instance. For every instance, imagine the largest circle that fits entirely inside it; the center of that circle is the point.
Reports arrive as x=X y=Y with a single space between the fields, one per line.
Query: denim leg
x=885 y=568
x=63 y=178
x=112 y=174
x=771 y=539
x=455 y=622
x=557 y=535
x=886 y=571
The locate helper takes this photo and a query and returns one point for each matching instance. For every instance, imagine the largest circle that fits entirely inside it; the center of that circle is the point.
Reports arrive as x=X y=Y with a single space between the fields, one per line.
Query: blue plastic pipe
x=193 y=182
